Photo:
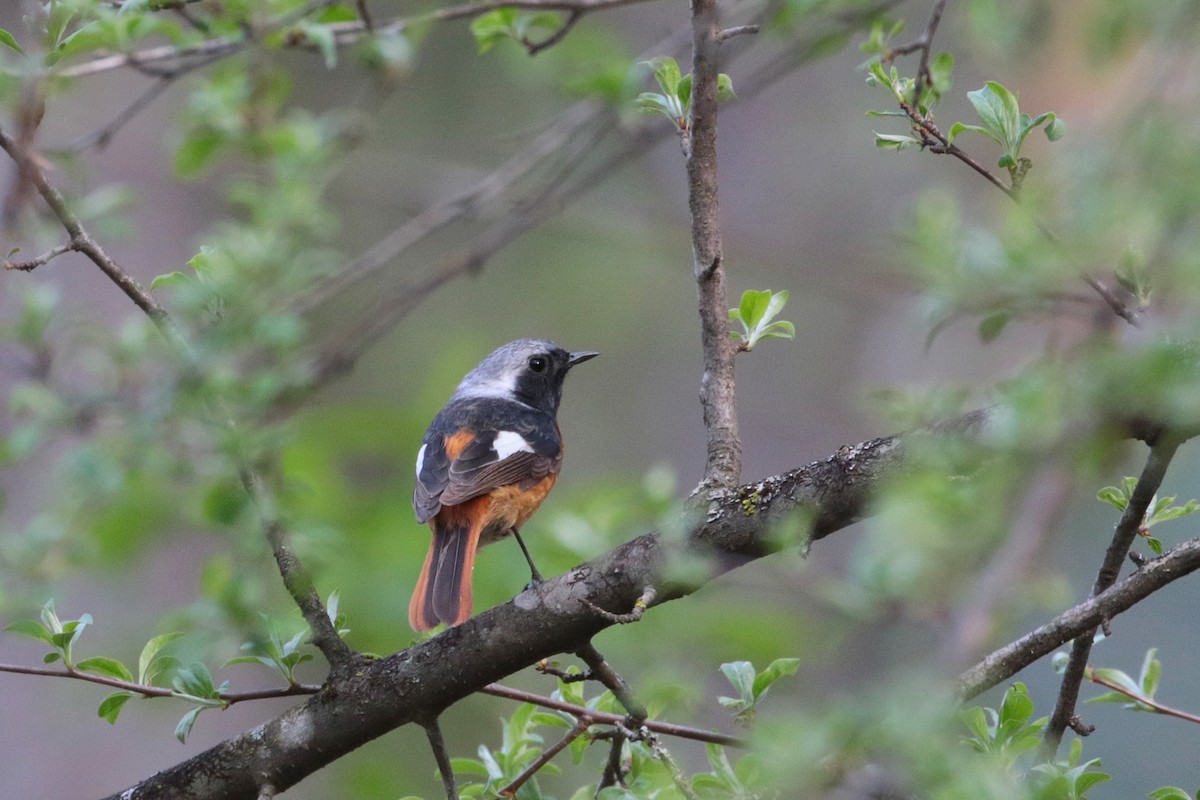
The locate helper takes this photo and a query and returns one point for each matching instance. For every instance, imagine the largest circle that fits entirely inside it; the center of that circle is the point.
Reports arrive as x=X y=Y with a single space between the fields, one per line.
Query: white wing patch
x=507 y=443
x=421 y=459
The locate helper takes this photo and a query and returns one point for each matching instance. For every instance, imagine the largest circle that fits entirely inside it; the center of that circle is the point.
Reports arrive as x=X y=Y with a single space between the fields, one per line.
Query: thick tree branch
x=365 y=699
x=1161 y=453
x=1002 y=664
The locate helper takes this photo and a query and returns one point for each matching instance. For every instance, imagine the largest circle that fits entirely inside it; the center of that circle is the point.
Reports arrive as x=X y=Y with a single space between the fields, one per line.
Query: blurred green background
x=808 y=205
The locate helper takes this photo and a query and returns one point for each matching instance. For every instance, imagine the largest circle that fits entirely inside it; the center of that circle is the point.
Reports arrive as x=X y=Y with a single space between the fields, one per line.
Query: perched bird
x=486 y=463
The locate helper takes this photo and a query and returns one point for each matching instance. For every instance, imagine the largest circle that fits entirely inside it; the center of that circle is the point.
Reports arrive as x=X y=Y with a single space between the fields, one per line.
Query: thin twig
x=82 y=241
x=34 y=263
x=1141 y=699
x=295 y=578
x=613 y=772
x=536 y=47
x=604 y=718
x=1161 y=453
x=291 y=690
x=433 y=732
x=602 y=671
x=580 y=726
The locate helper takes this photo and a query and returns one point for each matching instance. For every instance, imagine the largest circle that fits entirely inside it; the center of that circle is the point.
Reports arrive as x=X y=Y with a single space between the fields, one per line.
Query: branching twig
x=1161 y=453
x=602 y=671
x=295 y=578
x=936 y=142
x=1002 y=664
x=291 y=690
x=34 y=263
x=604 y=718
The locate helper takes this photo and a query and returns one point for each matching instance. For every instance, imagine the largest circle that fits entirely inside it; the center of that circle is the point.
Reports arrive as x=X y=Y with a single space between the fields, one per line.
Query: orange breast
x=511 y=506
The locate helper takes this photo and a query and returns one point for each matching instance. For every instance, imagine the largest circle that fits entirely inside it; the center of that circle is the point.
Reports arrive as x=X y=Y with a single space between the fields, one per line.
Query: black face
x=541 y=380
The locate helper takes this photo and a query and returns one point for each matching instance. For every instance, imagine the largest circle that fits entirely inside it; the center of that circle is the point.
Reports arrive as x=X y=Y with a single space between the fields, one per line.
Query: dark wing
x=433 y=474
x=472 y=449
x=485 y=464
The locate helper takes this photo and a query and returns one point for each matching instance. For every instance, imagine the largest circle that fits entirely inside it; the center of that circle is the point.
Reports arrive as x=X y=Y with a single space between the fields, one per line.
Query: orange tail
x=443 y=592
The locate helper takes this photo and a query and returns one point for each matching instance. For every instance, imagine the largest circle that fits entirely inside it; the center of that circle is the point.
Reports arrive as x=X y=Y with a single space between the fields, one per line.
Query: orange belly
x=511 y=506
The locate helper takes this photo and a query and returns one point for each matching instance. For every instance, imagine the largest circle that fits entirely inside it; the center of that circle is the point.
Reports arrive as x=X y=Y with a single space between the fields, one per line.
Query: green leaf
x=740 y=675
x=895 y=141
x=993 y=325
x=959 y=127
x=1016 y=707
x=169 y=279
x=185 y=724
x=198 y=151
x=1155 y=545
x=51 y=658
x=146 y=660
x=997 y=109
x=110 y=707
x=31 y=628
x=724 y=87
x=105 y=666
x=9 y=41
x=774 y=671
x=666 y=72
x=321 y=36
x=1116 y=676
x=1114 y=497
x=1169 y=793
x=1056 y=130
x=493 y=27
x=1150 y=674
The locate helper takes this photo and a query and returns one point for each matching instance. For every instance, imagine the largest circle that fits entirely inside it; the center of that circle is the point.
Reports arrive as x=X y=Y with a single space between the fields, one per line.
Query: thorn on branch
x=1080 y=727
x=737 y=30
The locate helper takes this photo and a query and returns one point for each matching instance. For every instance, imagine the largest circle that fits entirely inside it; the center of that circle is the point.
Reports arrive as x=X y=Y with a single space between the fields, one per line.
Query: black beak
x=580 y=357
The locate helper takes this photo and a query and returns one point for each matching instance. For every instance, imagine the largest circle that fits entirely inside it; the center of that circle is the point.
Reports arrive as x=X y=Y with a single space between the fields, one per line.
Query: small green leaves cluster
x=675 y=101
x=1159 y=510
x=1011 y=732
x=511 y=24
x=1006 y=732
x=60 y=635
x=1067 y=779
x=276 y=653
x=1005 y=124
x=193 y=682
x=756 y=312
x=751 y=686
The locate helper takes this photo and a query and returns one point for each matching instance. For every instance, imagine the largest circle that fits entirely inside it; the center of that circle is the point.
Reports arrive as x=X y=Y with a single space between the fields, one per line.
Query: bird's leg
x=535 y=577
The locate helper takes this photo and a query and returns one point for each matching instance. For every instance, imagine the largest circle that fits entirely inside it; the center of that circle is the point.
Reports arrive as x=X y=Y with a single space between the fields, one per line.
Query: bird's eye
x=538 y=363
